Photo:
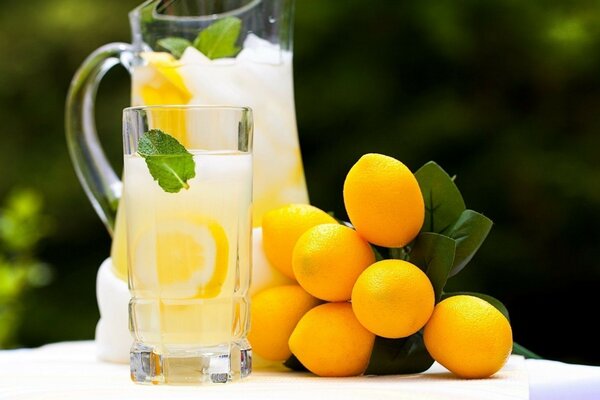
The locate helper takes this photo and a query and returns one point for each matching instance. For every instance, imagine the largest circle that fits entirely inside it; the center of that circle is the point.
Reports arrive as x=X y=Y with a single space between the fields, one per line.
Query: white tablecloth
x=70 y=371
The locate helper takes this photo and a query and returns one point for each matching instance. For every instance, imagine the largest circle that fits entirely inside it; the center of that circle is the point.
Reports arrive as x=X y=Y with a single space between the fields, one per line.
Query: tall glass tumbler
x=189 y=225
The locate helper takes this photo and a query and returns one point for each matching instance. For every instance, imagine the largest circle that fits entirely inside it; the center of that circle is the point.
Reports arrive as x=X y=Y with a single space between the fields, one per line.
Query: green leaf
x=219 y=39
x=469 y=231
x=443 y=201
x=398 y=253
x=174 y=45
x=378 y=255
x=399 y=356
x=434 y=254
x=492 y=300
x=294 y=364
x=522 y=351
x=168 y=161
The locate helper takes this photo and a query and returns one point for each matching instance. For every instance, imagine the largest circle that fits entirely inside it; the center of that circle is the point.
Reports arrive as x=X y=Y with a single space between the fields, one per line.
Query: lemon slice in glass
x=181 y=257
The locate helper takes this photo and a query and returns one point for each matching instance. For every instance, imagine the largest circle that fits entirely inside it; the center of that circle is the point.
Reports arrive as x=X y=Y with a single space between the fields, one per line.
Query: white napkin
x=67 y=371
x=552 y=380
x=113 y=339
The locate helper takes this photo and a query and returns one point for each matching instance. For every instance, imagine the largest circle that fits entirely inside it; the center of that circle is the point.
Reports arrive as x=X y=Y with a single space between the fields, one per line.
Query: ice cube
x=260 y=50
x=254 y=42
x=191 y=55
x=223 y=61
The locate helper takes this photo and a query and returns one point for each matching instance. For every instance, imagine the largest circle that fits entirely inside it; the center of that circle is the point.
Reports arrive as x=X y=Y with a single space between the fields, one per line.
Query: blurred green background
x=505 y=94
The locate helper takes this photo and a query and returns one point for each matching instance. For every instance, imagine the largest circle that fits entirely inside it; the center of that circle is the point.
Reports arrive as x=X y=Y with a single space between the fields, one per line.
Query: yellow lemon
x=264 y=274
x=160 y=83
x=327 y=260
x=283 y=226
x=384 y=201
x=182 y=256
x=393 y=298
x=118 y=249
x=165 y=85
x=468 y=336
x=274 y=315
x=330 y=341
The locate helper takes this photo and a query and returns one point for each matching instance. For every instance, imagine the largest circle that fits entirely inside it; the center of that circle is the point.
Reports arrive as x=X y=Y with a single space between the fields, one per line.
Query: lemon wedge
x=160 y=83
x=181 y=257
x=166 y=85
x=118 y=249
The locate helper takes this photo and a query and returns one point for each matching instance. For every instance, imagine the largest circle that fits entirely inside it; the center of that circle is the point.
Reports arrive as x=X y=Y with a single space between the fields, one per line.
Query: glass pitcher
x=203 y=52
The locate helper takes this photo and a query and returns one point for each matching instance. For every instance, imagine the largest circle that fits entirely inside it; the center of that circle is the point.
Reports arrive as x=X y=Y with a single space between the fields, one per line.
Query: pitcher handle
x=99 y=180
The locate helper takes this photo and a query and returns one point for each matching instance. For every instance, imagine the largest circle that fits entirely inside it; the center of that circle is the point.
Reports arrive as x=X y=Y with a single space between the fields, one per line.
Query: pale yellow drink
x=189 y=253
x=260 y=77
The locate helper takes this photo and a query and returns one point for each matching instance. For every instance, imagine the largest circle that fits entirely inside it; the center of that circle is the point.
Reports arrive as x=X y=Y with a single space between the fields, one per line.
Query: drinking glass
x=189 y=252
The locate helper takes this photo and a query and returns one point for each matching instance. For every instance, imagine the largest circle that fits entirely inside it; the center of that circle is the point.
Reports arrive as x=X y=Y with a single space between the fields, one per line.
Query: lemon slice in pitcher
x=163 y=83
x=182 y=257
x=160 y=83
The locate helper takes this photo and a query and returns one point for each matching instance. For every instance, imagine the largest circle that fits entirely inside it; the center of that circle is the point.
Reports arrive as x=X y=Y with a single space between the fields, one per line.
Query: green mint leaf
x=174 y=45
x=219 y=39
x=168 y=161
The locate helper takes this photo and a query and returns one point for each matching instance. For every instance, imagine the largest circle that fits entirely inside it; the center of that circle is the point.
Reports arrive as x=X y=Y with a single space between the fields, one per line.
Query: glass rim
x=197 y=18
x=187 y=107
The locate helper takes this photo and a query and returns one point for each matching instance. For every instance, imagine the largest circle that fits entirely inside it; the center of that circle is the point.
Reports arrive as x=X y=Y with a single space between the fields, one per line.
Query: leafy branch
x=22 y=226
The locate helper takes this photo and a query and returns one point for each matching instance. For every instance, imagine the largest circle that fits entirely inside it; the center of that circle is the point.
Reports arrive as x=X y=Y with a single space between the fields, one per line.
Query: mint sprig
x=169 y=163
x=174 y=45
x=218 y=40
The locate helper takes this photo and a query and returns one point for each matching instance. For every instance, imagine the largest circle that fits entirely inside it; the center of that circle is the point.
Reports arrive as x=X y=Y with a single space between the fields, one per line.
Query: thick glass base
x=185 y=366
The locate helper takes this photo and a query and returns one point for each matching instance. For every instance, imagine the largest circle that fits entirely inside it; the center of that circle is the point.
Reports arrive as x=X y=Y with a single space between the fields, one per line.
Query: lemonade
x=259 y=77
x=189 y=256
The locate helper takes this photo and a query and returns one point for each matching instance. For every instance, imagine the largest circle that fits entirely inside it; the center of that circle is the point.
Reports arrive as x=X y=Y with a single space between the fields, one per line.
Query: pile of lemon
x=344 y=298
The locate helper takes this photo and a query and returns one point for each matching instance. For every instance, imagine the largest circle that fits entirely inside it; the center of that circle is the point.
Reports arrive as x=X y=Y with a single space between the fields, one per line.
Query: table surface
x=70 y=370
